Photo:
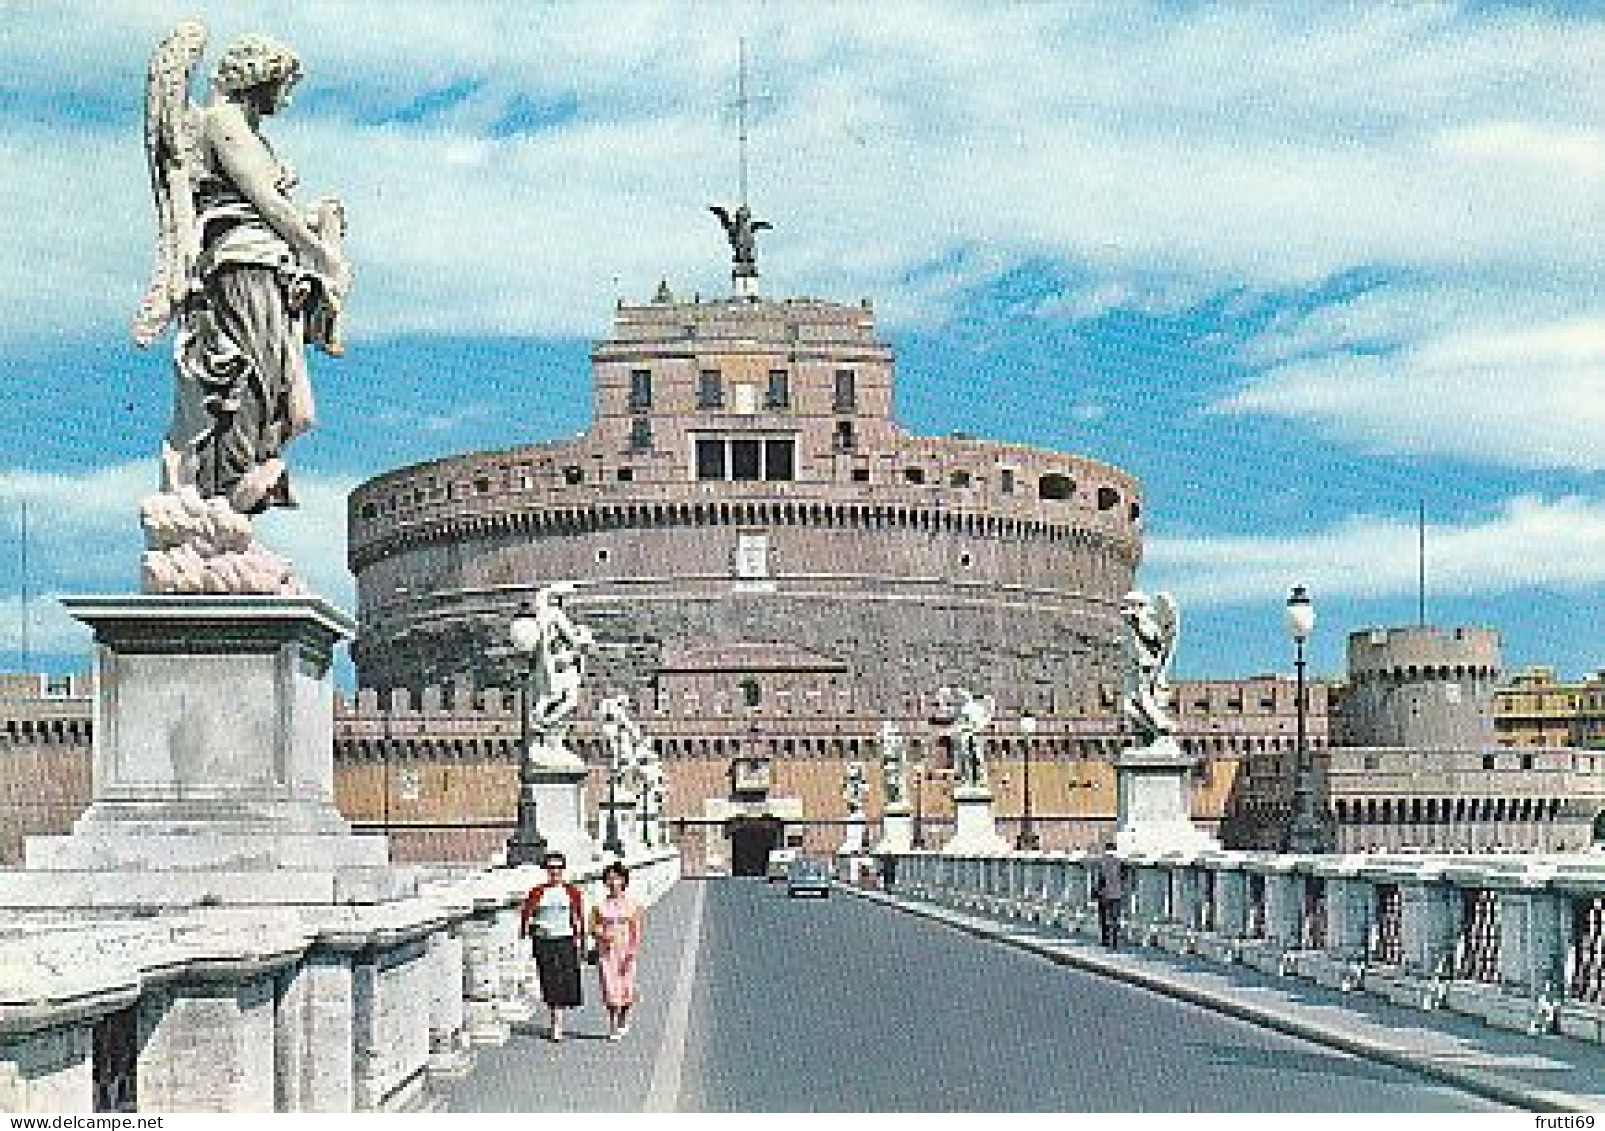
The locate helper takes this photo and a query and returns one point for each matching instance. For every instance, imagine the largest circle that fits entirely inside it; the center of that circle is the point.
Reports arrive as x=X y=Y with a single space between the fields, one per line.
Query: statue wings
x=170 y=151
x=1167 y=614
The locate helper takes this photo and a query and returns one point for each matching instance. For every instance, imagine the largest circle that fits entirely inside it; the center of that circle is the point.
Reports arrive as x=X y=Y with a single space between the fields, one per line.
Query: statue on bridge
x=558 y=660
x=971 y=716
x=1152 y=626
x=894 y=764
x=855 y=791
x=247 y=280
x=622 y=735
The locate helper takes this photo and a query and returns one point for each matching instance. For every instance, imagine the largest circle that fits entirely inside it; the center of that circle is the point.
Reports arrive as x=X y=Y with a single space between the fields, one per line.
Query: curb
x=1488 y=1085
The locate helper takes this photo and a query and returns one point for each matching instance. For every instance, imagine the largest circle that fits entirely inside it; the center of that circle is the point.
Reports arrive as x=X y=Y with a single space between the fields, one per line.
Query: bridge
x=941 y=982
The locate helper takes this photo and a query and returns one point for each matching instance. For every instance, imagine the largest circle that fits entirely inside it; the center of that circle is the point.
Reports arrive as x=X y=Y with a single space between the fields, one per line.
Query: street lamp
x=917 y=837
x=1305 y=832
x=611 y=841
x=526 y=845
x=1027 y=841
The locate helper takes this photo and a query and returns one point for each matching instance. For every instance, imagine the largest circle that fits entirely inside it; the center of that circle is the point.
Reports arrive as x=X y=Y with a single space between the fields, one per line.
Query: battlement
x=1424 y=652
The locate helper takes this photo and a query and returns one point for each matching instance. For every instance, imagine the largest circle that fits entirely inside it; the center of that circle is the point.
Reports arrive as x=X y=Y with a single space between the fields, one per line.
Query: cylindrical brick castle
x=1420 y=687
x=744 y=483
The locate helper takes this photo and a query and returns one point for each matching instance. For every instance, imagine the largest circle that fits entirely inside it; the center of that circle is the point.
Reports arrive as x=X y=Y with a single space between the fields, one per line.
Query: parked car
x=808 y=877
x=780 y=860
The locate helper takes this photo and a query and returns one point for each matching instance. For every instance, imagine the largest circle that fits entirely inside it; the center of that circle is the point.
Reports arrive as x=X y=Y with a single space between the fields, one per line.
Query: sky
x=1309 y=270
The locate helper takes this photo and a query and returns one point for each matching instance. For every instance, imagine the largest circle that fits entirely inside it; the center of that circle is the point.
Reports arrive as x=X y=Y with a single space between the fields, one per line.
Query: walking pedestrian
x=616 y=927
x=1109 y=889
x=554 y=917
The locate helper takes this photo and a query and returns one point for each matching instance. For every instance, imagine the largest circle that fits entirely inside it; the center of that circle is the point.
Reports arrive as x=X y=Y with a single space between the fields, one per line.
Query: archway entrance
x=752 y=839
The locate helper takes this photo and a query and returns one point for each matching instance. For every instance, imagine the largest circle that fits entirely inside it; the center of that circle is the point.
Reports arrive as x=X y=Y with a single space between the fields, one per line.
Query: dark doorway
x=751 y=841
x=116 y=1057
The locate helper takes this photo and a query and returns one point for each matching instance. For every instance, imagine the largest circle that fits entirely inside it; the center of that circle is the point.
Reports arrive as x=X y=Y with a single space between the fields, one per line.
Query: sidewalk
x=587 y=1072
x=1535 y=1073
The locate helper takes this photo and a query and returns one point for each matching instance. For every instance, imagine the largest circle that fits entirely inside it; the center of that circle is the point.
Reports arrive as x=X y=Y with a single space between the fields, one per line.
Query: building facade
x=1538 y=709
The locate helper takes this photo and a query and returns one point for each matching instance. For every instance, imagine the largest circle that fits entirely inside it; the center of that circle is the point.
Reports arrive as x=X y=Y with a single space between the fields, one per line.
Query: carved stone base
x=975 y=828
x=1153 y=811
x=897 y=830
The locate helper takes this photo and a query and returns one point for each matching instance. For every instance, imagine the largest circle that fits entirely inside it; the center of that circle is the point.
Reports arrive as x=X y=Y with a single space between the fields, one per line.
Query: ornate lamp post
x=1027 y=841
x=526 y=845
x=917 y=773
x=1305 y=832
x=612 y=842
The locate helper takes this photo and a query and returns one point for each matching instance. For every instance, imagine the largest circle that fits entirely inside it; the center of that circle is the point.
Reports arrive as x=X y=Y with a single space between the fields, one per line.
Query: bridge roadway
x=756 y=1002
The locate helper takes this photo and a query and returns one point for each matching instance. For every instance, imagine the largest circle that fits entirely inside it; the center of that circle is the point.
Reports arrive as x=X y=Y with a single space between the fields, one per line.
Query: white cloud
x=1530 y=542
x=1531 y=397
x=84 y=537
x=1231 y=144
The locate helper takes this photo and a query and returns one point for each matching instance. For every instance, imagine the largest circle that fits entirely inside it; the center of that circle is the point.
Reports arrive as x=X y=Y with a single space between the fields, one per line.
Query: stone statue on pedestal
x=972 y=715
x=558 y=667
x=246 y=280
x=1153 y=625
x=894 y=764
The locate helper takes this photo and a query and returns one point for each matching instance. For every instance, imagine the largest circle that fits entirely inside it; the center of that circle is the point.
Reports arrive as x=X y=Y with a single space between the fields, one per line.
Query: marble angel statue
x=1152 y=626
x=245 y=280
x=894 y=763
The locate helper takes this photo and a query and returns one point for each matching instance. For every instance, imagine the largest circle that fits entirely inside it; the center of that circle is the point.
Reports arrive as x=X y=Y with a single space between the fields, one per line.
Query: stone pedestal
x=854 y=837
x=974 y=826
x=213 y=763
x=554 y=781
x=897 y=830
x=1153 y=814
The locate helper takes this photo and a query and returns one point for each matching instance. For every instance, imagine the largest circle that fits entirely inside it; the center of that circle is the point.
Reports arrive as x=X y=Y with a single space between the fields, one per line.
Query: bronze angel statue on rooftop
x=246 y=280
x=1152 y=626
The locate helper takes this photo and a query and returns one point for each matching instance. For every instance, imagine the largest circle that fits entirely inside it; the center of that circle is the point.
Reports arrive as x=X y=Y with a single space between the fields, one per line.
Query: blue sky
x=1300 y=267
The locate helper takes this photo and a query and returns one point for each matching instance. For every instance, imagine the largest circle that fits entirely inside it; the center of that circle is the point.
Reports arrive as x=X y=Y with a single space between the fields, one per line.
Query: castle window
x=1526 y=761
x=1006 y=480
x=640 y=390
x=966 y=561
x=482 y=485
x=1488 y=761
x=641 y=434
x=846 y=399
x=573 y=475
x=1108 y=498
x=711 y=459
x=751 y=693
x=779 y=460
x=779 y=392
x=959 y=479
x=602 y=555
x=860 y=475
x=914 y=475
x=752 y=555
x=710 y=389
x=844 y=440
x=746 y=460
x=626 y=475
x=369 y=510
x=58 y=686
x=1135 y=512
x=1055 y=487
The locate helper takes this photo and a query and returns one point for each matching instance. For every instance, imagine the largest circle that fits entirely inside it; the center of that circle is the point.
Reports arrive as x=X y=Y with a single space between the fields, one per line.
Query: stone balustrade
x=312 y=1008
x=1516 y=941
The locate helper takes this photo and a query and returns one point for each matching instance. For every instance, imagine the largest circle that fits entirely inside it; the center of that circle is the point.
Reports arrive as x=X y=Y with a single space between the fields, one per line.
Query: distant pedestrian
x=616 y=927
x=1109 y=889
x=554 y=916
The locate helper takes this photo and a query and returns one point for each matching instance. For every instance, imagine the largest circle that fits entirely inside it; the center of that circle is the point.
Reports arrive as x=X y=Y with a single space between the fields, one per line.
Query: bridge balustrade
x=1519 y=942
x=1587 y=981
x=338 y=1008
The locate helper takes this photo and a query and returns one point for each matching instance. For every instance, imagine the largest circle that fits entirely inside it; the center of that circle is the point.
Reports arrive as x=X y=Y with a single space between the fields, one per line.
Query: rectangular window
x=844 y=440
x=746 y=459
x=640 y=390
x=752 y=556
x=710 y=389
x=641 y=434
x=779 y=393
x=846 y=391
x=779 y=460
x=1006 y=481
x=710 y=459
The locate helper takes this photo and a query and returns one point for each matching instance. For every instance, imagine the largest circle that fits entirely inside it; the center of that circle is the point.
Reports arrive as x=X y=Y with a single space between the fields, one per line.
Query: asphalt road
x=841 y=1005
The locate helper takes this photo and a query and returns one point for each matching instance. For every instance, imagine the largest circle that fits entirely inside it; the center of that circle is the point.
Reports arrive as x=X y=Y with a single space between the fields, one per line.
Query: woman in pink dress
x=616 y=927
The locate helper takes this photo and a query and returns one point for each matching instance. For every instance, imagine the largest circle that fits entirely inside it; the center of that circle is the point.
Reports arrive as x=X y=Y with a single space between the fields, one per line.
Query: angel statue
x=894 y=762
x=855 y=790
x=621 y=733
x=971 y=715
x=246 y=280
x=741 y=230
x=1152 y=626
x=557 y=660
